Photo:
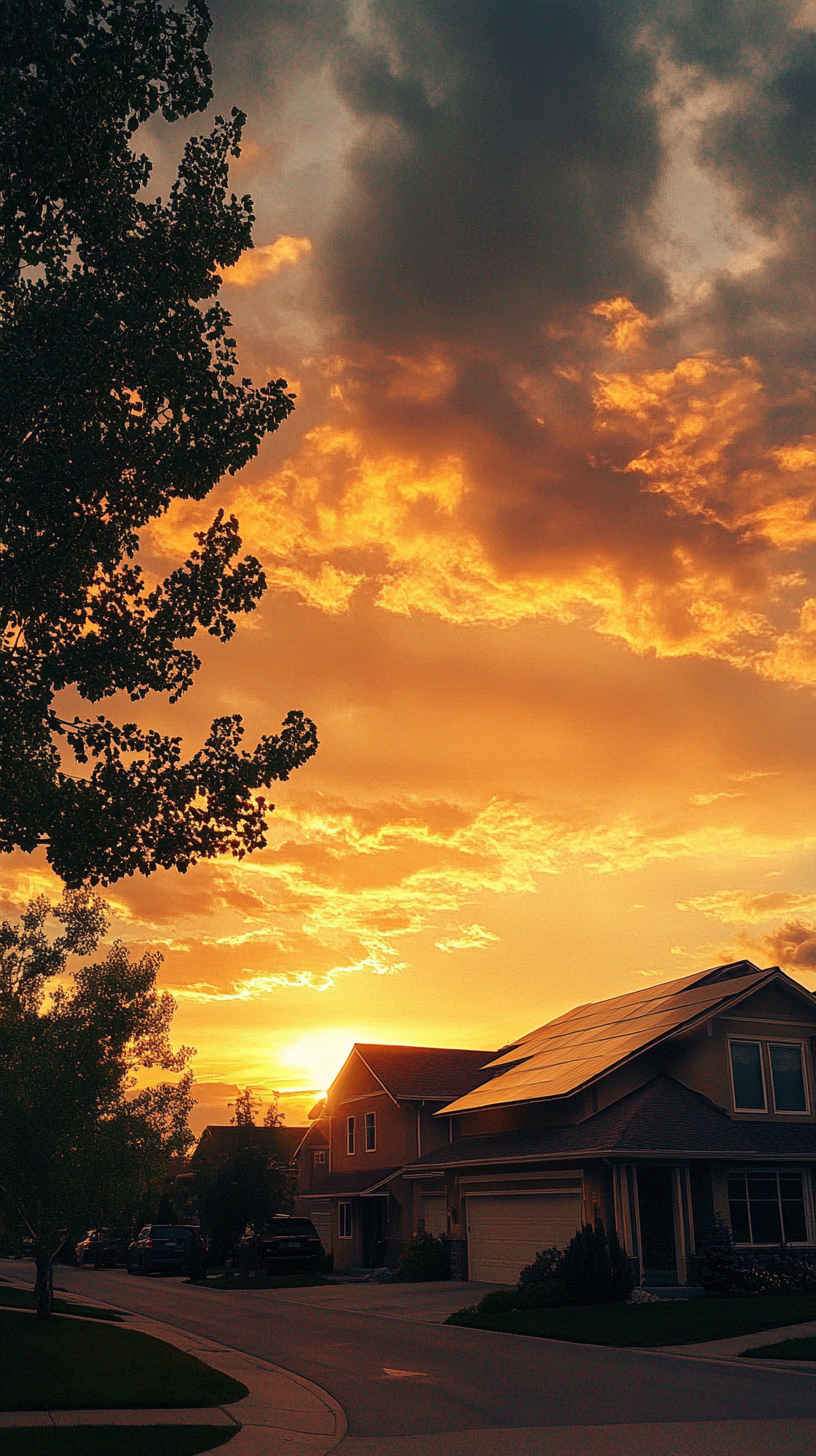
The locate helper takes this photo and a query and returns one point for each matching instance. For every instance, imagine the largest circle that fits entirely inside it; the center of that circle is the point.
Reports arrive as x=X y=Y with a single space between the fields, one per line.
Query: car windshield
x=293 y=1226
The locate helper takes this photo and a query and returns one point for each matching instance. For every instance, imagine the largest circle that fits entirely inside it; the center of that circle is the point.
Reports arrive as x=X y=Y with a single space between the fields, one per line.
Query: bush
x=593 y=1269
x=724 y=1271
x=423 y=1259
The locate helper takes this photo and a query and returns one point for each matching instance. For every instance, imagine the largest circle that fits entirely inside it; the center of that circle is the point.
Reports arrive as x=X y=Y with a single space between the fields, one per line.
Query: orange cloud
x=630 y=326
x=257 y=264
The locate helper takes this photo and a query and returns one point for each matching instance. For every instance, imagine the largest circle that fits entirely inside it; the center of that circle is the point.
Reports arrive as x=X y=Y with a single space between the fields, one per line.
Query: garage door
x=506 y=1233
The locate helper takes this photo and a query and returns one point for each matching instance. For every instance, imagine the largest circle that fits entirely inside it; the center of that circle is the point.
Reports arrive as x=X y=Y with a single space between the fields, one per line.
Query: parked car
x=288 y=1245
x=163 y=1247
x=99 y=1247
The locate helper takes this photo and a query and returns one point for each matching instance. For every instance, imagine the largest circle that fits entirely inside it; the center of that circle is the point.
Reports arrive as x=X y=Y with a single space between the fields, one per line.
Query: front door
x=656 y=1209
x=373 y=1231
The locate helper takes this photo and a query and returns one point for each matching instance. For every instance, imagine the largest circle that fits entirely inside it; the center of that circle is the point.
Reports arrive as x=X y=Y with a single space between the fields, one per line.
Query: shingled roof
x=429 y=1074
x=225 y=1138
x=662 y=1117
x=575 y=1049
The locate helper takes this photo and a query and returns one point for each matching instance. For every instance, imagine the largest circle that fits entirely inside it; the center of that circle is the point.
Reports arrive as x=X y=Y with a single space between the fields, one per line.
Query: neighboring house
x=377 y=1116
x=222 y=1139
x=653 y=1111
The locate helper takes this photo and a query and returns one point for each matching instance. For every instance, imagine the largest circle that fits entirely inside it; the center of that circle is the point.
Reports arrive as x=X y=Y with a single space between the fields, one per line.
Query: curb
x=283 y=1413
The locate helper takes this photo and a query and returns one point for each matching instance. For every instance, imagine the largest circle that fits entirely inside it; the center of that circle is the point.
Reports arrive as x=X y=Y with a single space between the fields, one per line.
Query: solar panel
x=565 y=1054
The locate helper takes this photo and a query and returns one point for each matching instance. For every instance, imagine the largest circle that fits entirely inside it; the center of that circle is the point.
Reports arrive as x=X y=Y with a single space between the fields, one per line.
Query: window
x=767 y=1207
x=344 y=1210
x=746 y=1070
x=750 y=1063
x=320 y=1158
x=350 y=1136
x=371 y=1132
x=788 y=1077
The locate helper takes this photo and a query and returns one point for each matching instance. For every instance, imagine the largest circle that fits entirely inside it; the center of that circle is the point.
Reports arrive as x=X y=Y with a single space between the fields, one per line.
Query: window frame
x=345 y=1219
x=788 y=1041
x=370 y=1127
x=749 y=1041
x=758 y=1171
x=319 y=1158
x=351 y=1136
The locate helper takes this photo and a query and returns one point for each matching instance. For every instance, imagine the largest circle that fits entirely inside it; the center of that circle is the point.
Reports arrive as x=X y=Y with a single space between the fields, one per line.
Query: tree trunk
x=44 y=1283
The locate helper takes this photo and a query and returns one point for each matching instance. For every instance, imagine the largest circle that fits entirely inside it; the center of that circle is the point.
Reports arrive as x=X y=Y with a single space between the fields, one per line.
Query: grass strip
x=675 y=1322
x=260 y=1281
x=64 y=1364
x=11 y=1298
x=124 y=1440
x=801 y=1349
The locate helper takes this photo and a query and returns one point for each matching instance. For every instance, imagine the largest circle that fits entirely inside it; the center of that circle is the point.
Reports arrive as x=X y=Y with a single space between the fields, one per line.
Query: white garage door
x=506 y=1233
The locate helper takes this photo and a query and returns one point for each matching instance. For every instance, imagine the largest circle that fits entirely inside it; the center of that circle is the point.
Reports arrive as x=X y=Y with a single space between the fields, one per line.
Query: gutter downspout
x=419 y=1128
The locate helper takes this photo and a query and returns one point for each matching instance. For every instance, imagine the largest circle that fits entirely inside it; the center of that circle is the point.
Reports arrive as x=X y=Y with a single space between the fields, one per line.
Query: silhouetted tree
x=78 y=1141
x=119 y=395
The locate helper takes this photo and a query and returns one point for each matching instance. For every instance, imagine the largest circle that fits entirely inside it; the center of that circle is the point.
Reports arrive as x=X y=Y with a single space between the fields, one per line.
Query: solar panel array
x=570 y=1052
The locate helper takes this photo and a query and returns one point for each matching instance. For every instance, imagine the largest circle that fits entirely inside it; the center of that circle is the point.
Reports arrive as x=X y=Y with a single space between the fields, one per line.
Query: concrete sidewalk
x=283 y=1413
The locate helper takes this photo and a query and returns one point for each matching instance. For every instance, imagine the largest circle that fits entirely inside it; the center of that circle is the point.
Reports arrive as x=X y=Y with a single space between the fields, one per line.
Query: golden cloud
x=257 y=264
x=415 y=527
x=732 y=906
x=346 y=887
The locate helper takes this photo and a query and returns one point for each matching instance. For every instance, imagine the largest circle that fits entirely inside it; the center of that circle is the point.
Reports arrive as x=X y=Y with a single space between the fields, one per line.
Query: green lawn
x=12 y=1298
x=680 y=1322
x=124 y=1440
x=801 y=1349
x=230 y=1280
x=76 y=1365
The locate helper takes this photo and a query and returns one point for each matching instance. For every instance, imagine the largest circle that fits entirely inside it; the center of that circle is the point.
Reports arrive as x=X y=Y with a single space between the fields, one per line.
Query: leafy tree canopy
x=78 y=1141
x=119 y=395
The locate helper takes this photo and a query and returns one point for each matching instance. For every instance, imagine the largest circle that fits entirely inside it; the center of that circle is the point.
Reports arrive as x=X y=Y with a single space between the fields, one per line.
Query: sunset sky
x=540 y=535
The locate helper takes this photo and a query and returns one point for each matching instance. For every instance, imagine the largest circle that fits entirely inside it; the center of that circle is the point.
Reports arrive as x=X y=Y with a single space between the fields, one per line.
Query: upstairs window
x=788 y=1076
x=350 y=1137
x=754 y=1063
x=371 y=1132
x=748 y=1078
x=320 y=1158
x=767 y=1207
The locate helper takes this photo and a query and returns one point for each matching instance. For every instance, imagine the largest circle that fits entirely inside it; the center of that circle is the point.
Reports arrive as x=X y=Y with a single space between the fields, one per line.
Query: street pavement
x=410 y=1386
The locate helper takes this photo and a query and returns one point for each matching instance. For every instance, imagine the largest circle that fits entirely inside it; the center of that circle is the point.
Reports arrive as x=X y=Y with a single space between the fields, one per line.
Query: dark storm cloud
x=510 y=150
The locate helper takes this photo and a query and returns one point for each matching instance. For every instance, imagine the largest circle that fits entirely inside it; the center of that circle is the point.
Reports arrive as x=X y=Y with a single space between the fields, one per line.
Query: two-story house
x=378 y=1116
x=652 y=1110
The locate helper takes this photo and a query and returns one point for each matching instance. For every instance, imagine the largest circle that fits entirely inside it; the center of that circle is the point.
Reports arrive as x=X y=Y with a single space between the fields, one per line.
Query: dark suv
x=163 y=1247
x=288 y=1244
x=99 y=1247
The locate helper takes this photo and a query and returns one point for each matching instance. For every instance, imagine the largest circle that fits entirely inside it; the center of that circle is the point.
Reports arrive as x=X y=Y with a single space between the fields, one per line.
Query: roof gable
x=415 y=1074
x=575 y=1049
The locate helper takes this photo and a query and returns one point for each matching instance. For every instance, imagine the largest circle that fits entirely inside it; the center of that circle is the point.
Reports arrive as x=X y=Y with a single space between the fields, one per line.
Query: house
x=378 y=1116
x=654 y=1111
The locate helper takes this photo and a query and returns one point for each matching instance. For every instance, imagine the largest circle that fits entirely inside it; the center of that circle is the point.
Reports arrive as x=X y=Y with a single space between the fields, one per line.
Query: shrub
x=593 y=1269
x=725 y=1271
x=423 y=1259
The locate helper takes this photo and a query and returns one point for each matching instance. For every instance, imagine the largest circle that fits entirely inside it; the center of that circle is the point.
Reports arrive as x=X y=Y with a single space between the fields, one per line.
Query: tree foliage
x=239 y=1183
x=119 y=395
x=78 y=1140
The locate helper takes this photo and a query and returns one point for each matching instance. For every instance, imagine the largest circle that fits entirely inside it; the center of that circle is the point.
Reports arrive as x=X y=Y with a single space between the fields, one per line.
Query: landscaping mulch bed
x=74 y=1364
x=672 y=1322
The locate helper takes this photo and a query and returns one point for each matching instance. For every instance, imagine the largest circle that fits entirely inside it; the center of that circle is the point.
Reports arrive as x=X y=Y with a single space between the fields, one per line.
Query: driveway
x=413 y=1387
